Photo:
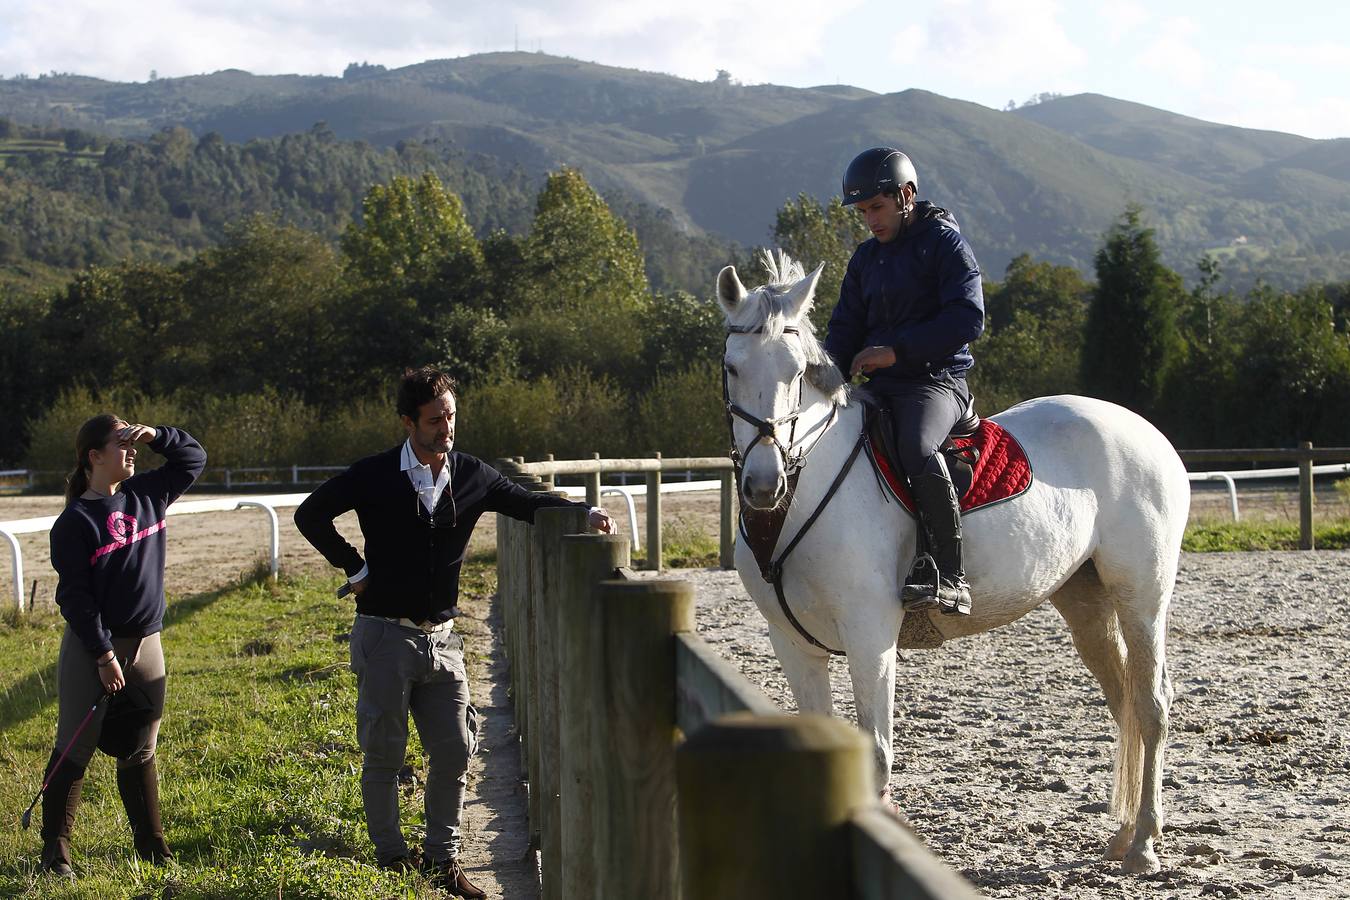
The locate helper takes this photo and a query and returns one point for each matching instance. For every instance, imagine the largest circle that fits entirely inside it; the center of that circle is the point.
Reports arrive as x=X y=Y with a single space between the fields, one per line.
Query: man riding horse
x=910 y=304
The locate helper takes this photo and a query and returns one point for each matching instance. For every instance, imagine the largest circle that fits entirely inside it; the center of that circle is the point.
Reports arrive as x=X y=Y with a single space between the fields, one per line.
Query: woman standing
x=108 y=549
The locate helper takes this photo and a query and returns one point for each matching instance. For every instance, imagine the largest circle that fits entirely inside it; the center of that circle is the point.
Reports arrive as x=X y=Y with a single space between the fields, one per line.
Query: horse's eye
x=731 y=370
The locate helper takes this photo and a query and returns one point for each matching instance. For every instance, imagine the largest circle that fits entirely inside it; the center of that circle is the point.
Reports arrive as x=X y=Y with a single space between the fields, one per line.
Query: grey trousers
x=78 y=687
x=401 y=670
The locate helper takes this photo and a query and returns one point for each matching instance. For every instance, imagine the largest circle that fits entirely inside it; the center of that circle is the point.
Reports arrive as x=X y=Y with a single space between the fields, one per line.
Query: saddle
x=961 y=458
x=986 y=462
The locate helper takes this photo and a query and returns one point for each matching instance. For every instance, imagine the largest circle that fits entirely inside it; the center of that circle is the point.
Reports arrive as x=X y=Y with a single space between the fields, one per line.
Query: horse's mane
x=762 y=308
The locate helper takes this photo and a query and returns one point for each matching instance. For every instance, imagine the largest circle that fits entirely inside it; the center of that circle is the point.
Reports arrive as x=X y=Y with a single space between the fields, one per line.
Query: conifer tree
x=1131 y=340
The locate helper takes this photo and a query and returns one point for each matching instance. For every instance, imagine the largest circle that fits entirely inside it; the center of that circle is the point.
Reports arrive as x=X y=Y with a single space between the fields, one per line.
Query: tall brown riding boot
x=139 y=787
x=59 y=803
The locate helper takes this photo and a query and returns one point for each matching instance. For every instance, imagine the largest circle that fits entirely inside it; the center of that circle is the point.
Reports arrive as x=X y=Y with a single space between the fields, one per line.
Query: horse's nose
x=761 y=493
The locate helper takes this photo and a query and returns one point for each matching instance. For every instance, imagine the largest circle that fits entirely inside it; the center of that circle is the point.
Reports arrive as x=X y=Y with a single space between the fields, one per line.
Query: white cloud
x=1173 y=56
x=1121 y=18
x=992 y=41
x=758 y=40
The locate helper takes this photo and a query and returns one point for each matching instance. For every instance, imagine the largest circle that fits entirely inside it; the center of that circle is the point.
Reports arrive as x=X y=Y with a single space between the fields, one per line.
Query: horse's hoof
x=1120 y=844
x=1143 y=862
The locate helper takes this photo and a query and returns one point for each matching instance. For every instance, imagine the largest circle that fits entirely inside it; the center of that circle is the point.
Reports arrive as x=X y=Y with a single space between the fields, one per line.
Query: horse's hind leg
x=1140 y=591
x=1091 y=616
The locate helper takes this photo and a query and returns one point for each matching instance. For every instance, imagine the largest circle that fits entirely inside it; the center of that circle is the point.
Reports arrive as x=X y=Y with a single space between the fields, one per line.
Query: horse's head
x=771 y=353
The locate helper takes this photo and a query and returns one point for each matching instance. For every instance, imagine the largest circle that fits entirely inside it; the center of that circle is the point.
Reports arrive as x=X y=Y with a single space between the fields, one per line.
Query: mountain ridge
x=723 y=157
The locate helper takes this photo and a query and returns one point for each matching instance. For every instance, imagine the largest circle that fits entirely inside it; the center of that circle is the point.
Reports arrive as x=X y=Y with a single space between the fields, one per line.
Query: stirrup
x=921 y=591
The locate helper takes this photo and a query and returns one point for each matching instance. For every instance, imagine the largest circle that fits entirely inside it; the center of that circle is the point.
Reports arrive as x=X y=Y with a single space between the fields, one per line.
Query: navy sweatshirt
x=109 y=552
x=414 y=558
x=919 y=294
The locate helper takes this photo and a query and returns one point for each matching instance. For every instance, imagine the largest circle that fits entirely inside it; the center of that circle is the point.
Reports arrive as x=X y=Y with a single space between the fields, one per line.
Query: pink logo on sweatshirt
x=122 y=530
x=121 y=527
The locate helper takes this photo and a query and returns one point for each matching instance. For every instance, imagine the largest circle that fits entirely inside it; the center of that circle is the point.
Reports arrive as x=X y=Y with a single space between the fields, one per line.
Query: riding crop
x=27 y=817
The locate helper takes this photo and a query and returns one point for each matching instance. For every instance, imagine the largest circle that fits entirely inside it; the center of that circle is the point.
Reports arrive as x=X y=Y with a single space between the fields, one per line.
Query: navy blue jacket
x=919 y=294
x=414 y=559
x=109 y=552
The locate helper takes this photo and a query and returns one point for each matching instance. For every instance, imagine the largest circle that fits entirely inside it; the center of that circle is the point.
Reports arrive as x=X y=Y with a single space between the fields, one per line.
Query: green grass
x=686 y=545
x=1209 y=536
x=258 y=758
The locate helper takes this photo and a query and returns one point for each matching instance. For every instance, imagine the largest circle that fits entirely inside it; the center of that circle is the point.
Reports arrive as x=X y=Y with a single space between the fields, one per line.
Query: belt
x=427 y=627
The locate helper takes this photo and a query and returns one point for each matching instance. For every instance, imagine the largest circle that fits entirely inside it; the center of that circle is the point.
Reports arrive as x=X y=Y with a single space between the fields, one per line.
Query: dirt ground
x=1003 y=744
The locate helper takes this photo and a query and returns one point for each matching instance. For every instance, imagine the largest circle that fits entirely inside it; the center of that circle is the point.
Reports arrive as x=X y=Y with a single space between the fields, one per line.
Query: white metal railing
x=628 y=492
x=268 y=504
x=1230 y=478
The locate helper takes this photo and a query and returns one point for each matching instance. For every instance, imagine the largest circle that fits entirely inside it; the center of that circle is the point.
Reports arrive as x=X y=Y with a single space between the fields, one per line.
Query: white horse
x=1098 y=534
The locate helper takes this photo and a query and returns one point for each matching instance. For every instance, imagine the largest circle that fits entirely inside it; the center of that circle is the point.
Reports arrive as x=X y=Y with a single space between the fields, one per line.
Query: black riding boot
x=59 y=803
x=939 y=576
x=139 y=787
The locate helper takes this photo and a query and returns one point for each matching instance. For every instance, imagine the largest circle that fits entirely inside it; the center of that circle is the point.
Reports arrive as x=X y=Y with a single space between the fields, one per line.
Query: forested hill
x=70 y=199
x=723 y=157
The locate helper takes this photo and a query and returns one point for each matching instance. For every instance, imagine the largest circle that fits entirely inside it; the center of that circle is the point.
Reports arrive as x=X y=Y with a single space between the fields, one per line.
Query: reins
x=794 y=459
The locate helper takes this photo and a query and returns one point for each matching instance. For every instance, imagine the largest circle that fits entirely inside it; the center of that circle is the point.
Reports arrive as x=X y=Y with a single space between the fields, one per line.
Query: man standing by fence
x=417 y=504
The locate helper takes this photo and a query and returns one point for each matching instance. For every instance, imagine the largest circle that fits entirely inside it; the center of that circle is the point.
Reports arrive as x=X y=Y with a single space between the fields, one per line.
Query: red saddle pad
x=1001 y=472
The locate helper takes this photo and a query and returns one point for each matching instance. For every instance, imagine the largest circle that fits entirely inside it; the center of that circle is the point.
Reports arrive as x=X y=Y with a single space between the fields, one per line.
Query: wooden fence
x=653 y=466
x=655 y=769
x=1305 y=455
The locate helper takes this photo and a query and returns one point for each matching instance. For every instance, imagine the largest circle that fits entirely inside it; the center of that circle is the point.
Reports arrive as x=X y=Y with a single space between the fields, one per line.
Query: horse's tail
x=1138 y=698
x=1129 y=780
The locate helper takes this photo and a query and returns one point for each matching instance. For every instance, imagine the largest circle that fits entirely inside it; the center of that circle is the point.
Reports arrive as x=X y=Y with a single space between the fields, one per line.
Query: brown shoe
x=449 y=877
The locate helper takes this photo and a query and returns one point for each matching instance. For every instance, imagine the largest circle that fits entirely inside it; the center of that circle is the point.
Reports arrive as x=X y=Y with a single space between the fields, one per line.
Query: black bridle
x=766 y=430
x=794 y=458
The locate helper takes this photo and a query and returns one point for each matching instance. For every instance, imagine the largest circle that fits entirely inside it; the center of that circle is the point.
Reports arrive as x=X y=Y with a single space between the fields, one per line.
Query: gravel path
x=1003 y=742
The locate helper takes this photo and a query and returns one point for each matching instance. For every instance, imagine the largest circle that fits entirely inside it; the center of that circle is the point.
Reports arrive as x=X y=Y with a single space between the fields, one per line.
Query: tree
x=1033 y=336
x=412 y=260
x=1294 y=378
x=1131 y=342
x=585 y=287
x=265 y=311
x=812 y=234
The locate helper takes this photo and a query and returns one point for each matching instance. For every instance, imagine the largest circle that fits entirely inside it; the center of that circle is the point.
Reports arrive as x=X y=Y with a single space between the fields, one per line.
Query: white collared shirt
x=428 y=487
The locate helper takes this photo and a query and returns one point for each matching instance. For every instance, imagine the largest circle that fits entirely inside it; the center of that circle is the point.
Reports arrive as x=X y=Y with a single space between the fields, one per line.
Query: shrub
x=682 y=414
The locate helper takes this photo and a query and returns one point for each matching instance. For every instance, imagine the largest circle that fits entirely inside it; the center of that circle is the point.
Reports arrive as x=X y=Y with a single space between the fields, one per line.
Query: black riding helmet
x=876 y=171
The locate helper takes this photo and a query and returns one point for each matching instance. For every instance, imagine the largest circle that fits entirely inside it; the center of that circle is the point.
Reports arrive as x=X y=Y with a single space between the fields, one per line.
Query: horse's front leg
x=807 y=669
x=871 y=666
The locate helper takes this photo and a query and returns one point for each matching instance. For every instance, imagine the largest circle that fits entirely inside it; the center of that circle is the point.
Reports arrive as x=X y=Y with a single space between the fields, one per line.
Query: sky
x=1254 y=64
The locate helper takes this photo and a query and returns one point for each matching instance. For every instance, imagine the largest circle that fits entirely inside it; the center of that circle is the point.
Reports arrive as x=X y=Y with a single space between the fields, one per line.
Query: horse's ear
x=798 y=300
x=730 y=291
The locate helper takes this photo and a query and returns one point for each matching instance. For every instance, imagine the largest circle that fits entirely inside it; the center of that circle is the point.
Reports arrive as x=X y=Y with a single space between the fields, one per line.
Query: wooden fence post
x=654 y=519
x=528 y=715
x=513 y=587
x=764 y=802
x=593 y=485
x=727 y=531
x=633 y=738
x=1306 y=540
x=550 y=525
x=586 y=561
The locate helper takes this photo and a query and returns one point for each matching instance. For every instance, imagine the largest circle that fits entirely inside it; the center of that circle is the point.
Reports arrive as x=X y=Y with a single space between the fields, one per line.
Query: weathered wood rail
x=1304 y=456
x=655 y=769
